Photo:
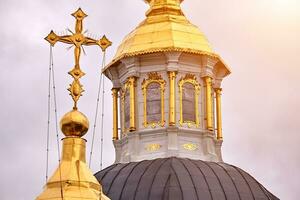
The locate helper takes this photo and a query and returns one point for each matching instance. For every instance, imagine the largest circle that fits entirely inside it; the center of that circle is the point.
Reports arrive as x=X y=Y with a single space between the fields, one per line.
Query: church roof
x=165 y=29
x=180 y=178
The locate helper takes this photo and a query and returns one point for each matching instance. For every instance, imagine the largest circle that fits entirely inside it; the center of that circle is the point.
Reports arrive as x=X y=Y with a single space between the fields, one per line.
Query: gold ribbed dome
x=165 y=29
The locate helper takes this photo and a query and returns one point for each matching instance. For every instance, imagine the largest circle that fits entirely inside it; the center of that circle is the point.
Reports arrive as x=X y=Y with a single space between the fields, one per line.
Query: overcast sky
x=258 y=39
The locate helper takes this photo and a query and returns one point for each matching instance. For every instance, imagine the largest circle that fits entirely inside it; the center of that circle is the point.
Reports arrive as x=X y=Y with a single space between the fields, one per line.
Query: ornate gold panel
x=190 y=147
x=189 y=78
x=152 y=147
x=154 y=77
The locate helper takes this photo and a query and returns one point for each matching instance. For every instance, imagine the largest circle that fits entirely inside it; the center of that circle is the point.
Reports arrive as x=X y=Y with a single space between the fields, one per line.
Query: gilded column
x=115 y=113
x=172 y=99
x=132 y=82
x=219 y=113
x=208 y=94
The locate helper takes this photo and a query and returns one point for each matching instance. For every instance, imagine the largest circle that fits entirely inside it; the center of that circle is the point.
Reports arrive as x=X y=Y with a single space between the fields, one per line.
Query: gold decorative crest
x=154 y=76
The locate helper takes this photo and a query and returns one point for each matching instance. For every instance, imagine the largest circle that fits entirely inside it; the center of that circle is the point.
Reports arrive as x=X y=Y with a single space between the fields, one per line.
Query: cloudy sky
x=258 y=39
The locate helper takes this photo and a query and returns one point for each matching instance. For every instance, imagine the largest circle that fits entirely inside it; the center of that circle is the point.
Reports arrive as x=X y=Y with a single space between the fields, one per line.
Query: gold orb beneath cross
x=74 y=124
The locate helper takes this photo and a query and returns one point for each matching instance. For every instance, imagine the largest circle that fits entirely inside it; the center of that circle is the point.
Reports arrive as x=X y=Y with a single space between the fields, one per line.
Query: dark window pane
x=127 y=109
x=188 y=102
x=153 y=103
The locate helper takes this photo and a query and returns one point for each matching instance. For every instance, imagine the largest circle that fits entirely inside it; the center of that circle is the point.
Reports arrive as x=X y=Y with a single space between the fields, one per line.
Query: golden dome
x=165 y=29
x=74 y=124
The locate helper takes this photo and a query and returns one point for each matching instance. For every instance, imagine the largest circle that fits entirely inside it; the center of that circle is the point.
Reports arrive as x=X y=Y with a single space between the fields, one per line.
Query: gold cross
x=78 y=39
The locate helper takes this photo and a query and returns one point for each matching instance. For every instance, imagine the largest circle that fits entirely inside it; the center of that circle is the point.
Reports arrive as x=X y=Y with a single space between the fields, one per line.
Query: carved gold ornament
x=189 y=78
x=152 y=147
x=154 y=77
x=190 y=147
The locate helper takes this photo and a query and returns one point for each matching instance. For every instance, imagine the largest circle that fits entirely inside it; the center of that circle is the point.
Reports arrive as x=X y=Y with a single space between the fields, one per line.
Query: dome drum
x=151 y=103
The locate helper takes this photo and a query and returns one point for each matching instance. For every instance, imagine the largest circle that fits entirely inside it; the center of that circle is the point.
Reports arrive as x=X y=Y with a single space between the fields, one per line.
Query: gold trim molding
x=154 y=77
x=189 y=78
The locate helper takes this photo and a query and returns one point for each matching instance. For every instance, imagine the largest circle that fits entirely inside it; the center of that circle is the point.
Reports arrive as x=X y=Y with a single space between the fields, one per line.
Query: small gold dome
x=165 y=29
x=74 y=124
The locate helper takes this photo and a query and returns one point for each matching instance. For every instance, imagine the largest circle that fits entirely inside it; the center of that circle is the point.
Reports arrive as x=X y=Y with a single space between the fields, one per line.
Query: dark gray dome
x=180 y=179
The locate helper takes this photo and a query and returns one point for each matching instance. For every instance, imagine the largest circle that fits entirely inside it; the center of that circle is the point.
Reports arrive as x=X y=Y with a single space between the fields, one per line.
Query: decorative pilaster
x=208 y=95
x=172 y=99
x=132 y=84
x=218 y=92
x=115 y=113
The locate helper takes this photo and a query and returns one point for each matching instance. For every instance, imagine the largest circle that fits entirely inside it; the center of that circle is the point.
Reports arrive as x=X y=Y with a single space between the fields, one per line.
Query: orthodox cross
x=78 y=39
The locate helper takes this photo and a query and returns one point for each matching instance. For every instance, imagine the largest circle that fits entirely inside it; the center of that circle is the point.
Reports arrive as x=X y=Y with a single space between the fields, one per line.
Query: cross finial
x=77 y=39
x=159 y=7
x=156 y=2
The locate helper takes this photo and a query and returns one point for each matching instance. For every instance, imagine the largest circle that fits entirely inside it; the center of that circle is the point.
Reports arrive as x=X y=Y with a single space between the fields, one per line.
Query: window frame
x=124 y=89
x=189 y=78
x=154 y=77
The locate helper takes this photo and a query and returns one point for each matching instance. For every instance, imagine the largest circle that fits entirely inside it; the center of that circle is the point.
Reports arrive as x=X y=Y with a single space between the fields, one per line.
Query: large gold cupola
x=168 y=81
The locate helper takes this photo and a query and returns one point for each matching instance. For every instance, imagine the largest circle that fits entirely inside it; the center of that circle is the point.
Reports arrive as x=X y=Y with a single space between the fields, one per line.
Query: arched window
x=189 y=89
x=153 y=92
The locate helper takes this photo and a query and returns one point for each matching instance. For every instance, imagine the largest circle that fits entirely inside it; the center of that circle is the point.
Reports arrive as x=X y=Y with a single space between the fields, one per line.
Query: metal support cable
x=48 y=115
x=102 y=115
x=97 y=109
x=56 y=120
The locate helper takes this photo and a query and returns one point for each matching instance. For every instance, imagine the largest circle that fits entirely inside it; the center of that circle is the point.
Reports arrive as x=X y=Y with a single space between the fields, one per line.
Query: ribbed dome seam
x=219 y=181
x=190 y=178
x=230 y=179
x=127 y=178
x=155 y=177
x=209 y=189
x=116 y=176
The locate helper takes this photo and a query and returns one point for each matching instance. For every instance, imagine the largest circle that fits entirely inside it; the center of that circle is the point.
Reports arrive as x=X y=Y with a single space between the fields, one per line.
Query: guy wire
x=56 y=122
x=97 y=110
x=48 y=115
x=102 y=114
